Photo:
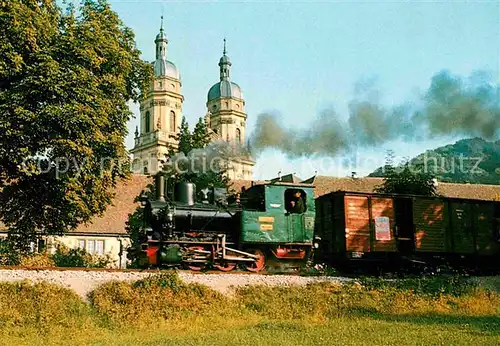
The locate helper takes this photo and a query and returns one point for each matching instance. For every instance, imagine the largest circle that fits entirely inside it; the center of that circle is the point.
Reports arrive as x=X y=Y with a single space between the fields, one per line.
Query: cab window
x=253 y=198
x=295 y=201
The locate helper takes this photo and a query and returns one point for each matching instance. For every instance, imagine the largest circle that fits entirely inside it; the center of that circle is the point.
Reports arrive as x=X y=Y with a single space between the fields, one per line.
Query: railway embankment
x=84 y=281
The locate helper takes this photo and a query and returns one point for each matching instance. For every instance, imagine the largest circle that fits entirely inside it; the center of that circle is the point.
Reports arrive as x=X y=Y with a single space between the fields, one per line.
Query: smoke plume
x=214 y=157
x=451 y=106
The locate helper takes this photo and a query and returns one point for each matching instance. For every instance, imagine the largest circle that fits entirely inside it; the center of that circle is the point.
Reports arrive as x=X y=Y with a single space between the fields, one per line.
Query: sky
x=296 y=58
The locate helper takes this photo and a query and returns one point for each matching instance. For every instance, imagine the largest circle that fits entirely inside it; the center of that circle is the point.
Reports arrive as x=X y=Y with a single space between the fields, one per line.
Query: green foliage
x=8 y=254
x=43 y=259
x=66 y=257
x=65 y=81
x=41 y=305
x=474 y=161
x=200 y=136
x=62 y=257
x=455 y=286
x=155 y=299
x=184 y=138
x=405 y=180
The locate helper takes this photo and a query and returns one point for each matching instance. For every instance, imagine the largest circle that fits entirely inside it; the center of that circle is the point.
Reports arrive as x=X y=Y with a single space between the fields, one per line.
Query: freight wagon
x=366 y=229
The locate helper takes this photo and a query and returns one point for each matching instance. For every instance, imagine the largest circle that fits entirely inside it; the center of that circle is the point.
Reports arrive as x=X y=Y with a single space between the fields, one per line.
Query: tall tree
x=184 y=138
x=200 y=136
x=406 y=179
x=65 y=81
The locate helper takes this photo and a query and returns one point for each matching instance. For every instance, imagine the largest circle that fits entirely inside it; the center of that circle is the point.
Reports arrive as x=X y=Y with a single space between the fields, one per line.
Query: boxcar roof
x=398 y=195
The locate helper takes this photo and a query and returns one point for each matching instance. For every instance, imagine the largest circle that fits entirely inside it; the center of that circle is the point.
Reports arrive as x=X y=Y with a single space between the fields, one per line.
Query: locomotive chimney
x=160 y=187
x=185 y=193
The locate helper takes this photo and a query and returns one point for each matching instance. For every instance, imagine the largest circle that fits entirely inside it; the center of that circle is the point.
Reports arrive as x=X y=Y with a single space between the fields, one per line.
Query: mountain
x=474 y=161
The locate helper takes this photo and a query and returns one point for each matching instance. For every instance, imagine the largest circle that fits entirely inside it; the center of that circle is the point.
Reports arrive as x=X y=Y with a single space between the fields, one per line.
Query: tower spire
x=161 y=23
x=224 y=64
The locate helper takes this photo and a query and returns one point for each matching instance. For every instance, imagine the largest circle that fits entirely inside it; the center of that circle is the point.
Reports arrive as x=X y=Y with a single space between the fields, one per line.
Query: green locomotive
x=267 y=225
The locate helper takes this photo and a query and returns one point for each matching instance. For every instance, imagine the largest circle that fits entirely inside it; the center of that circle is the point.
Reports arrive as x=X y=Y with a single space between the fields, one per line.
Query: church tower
x=226 y=117
x=161 y=112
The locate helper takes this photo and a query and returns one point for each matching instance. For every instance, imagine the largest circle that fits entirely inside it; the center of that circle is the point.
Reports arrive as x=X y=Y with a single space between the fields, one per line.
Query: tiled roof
x=113 y=220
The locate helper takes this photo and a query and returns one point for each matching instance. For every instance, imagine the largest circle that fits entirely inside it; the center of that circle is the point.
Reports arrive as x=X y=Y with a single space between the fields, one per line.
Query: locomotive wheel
x=225 y=266
x=259 y=264
x=196 y=266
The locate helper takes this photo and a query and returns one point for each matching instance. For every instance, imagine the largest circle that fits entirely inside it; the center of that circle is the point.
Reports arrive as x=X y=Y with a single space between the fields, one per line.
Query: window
x=295 y=201
x=147 y=122
x=172 y=121
x=227 y=105
x=253 y=198
x=41 y=245
x=238 y=136
x=99 y=247
x=92 y=246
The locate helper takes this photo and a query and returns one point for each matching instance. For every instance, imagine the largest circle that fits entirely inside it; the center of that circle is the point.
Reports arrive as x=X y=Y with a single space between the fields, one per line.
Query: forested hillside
x=472 y=160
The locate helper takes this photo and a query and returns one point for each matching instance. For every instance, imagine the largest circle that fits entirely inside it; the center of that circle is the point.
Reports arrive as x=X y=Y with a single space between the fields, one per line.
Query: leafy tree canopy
x=406 y=180
x=65 y=80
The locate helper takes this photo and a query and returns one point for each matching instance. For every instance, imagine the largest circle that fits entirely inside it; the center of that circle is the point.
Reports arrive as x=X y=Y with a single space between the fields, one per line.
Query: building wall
x=111 y=246
x=227 y=115
x=240 y=170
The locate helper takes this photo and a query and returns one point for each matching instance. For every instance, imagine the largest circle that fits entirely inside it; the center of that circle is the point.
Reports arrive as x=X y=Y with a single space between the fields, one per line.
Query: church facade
x=161 y=115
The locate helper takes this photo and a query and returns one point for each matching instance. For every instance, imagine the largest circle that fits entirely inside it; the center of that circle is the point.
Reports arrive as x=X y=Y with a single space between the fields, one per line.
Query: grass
x=163 y=310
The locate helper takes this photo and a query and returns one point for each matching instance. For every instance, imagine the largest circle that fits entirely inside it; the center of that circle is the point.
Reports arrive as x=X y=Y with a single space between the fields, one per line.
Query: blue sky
x=297 y=58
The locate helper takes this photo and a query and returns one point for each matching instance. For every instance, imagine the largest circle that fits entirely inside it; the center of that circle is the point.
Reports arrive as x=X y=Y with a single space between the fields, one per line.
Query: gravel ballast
x=84 y=282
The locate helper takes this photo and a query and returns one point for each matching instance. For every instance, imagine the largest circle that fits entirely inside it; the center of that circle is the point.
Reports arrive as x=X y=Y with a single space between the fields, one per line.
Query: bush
x=40 y=305
x=66 y=257
x=155 y=299
x=37 y=260
x=8 y=254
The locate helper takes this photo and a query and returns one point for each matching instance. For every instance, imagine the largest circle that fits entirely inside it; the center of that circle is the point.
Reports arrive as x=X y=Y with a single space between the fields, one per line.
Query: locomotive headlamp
x=143 y=199
x=170 y=216
x=317 y=241
x=149 y=232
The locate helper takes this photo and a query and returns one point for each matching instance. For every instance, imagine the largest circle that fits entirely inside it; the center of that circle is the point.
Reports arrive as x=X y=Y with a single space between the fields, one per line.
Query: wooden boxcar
x=377 y=227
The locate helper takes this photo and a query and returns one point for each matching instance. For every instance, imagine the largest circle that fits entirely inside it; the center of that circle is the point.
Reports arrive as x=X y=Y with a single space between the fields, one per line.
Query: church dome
x=165 y=68
x=225 y=89
x=224 y=59
x=161 y=36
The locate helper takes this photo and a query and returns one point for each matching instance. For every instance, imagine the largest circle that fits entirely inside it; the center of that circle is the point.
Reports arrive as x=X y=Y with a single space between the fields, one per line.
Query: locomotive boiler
x=205 y=229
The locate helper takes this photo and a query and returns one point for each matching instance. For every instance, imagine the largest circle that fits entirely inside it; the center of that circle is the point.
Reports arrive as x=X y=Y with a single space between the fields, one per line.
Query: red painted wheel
x=225 y=266
x=259 y=264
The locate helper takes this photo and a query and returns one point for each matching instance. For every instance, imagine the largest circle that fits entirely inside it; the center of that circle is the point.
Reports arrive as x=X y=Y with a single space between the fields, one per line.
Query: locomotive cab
x=277 y=221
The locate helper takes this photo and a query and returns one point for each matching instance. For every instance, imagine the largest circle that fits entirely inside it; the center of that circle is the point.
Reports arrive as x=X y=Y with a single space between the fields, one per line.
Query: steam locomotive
x=206 y=229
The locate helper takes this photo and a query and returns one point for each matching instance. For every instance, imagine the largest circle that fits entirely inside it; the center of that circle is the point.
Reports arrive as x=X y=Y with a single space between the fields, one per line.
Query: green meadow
x=163 y=310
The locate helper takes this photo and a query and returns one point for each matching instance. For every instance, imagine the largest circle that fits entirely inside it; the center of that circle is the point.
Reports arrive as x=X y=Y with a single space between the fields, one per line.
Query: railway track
x=152 y=271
